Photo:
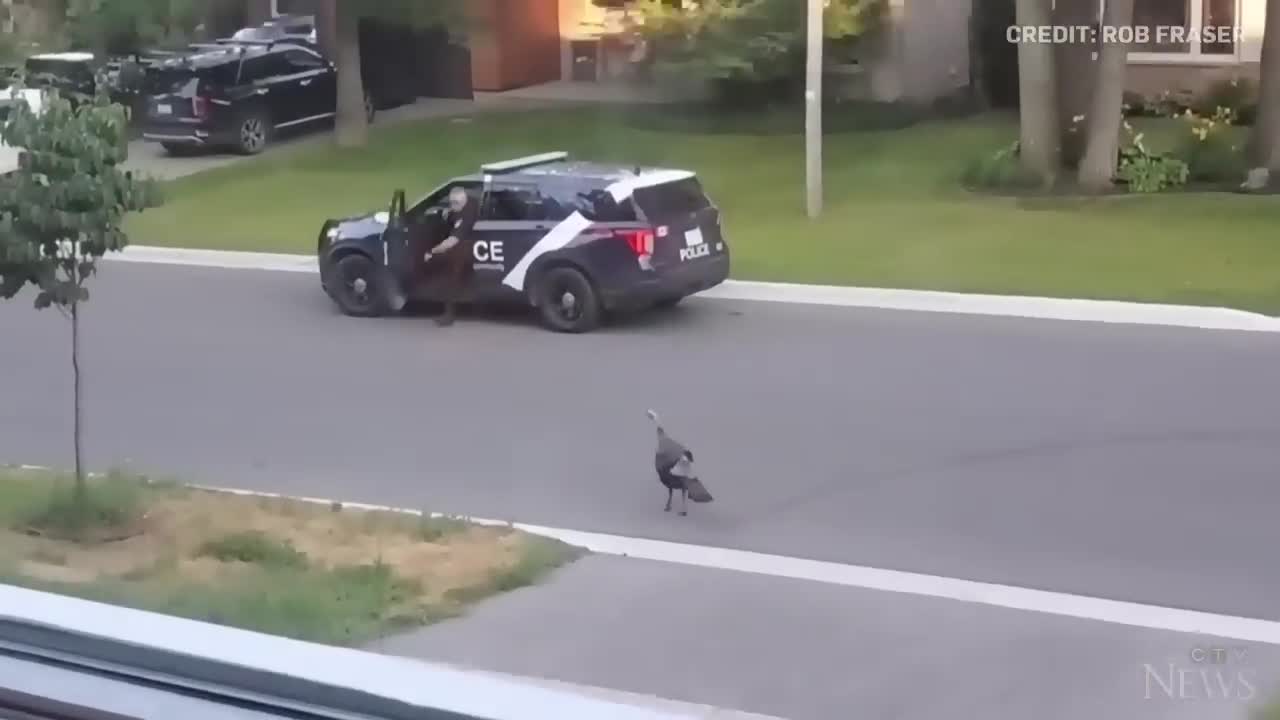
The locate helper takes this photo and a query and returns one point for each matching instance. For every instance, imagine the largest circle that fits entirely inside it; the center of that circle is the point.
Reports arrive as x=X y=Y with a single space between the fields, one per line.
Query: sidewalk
x=808 y=651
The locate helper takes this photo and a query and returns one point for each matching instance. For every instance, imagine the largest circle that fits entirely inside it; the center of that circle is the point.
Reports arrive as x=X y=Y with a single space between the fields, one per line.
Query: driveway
x=151 y=159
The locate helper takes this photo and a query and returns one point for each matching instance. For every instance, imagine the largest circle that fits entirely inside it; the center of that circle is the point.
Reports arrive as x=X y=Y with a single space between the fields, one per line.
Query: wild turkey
x=674 y=463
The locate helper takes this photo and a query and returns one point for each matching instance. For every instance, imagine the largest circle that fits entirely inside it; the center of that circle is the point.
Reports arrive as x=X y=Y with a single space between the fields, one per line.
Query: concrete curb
x=1104 y=311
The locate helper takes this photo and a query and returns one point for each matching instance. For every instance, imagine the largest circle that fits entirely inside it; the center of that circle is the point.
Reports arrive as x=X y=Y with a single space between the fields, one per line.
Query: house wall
x=935 y=54
x=1152 y=80
x=1151 y=76
x=518 y=46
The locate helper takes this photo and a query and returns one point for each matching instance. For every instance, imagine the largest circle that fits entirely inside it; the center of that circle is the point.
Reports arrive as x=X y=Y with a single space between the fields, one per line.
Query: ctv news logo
x=1210 y=673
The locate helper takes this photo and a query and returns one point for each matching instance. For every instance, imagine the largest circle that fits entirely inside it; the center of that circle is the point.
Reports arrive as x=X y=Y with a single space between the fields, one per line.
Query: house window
x=290 y=7
x=1184 y=30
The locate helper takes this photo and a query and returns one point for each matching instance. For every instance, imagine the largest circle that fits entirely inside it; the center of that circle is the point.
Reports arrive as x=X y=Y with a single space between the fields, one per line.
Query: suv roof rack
x=507 y=166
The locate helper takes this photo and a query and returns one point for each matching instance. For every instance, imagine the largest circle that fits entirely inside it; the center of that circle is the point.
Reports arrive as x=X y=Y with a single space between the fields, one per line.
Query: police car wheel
x=667 y=303
x=567 y=302
x=355 y=288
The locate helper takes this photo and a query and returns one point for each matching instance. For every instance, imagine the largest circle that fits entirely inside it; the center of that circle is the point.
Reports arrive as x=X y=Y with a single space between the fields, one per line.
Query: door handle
x=261 y=91
x=306 y=82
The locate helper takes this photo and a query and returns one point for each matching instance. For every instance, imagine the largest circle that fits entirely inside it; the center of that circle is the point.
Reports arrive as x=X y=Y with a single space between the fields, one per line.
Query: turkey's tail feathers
x=697 y=491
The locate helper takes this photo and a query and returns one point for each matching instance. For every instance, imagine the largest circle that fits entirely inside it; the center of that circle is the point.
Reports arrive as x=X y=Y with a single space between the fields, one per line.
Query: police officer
x=454 y=253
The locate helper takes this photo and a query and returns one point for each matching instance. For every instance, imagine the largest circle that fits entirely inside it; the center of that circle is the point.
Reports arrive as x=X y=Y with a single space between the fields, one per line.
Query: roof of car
x=213 y=54
x=64 y=56
x=591 y=173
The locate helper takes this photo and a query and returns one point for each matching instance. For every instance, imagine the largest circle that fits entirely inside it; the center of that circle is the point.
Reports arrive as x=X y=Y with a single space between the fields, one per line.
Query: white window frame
x=1193 y=56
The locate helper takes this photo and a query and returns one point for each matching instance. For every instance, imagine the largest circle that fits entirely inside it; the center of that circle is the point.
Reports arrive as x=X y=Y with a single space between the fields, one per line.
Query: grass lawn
x=279 y=566
x=895 y=214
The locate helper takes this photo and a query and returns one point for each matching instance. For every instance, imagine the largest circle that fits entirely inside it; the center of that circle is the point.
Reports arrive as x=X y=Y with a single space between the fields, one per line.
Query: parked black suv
x=293 y=28
x=238 y=95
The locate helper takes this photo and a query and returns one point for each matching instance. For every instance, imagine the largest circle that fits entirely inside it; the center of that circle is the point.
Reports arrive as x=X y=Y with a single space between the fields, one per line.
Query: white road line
x=1118 y=612
x=1104 y=311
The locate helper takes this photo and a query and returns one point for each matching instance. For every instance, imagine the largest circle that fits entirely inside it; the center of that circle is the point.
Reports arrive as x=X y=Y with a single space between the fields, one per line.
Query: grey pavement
x=1132 y=463
x=807 y=651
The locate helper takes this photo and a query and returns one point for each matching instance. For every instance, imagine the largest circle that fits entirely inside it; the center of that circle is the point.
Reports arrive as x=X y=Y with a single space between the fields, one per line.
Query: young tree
x=748 y=51
x=1102 y=145
x=62 y=210
x=1264 y=143
x=352 y=124
x=1039 y=138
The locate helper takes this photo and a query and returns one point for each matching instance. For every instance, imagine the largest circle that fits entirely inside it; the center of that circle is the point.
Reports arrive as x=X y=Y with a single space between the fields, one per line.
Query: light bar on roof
x=507 y=166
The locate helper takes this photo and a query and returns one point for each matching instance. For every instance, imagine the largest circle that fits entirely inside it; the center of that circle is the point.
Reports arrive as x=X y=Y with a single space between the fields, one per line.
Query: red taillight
x=640 y=241
x=200 y=107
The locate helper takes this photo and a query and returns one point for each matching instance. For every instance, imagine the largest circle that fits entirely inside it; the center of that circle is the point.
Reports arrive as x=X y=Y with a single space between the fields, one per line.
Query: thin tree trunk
x=1264 y=144
x=352 y=124
x=1098 y=167
x=1038 y=123
x=78 y=427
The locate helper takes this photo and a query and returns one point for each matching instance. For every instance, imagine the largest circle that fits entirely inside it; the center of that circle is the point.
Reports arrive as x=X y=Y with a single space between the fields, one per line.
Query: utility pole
x=813 y=109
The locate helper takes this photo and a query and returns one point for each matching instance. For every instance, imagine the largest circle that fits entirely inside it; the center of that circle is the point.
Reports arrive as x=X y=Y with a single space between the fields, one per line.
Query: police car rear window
x=682 y=197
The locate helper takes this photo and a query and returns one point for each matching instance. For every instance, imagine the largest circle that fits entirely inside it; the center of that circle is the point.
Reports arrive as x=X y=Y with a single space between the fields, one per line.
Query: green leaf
x=64 y=207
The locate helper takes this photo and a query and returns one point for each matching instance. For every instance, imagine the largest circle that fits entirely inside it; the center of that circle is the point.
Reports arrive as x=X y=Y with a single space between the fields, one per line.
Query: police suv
x=572 y=239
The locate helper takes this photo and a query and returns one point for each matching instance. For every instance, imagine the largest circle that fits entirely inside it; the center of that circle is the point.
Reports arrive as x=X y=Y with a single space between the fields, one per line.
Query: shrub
x=253 y=547
x=1209 y=150
x=107 y=507
x=1000 y=170
x=1143 y=171
x=1237 y=95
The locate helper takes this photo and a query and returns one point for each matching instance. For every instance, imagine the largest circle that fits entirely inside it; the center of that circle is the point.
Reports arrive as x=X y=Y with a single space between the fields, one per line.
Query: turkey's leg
x=684 y=501
x=668 y=507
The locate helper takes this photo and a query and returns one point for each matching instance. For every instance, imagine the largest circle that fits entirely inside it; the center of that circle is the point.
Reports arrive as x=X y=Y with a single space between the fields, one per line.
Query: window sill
x=1140 y=58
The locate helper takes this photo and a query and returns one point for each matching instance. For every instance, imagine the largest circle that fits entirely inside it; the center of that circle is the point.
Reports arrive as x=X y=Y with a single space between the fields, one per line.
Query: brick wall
x=516 y=43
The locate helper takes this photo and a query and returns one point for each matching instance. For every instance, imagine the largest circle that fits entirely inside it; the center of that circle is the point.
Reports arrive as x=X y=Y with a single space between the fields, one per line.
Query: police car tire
x=338 y=290
x=574 y=281
x=668 y=303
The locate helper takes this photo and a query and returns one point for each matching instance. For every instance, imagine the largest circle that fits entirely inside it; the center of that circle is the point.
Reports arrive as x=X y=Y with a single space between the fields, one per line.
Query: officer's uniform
x=457 y=259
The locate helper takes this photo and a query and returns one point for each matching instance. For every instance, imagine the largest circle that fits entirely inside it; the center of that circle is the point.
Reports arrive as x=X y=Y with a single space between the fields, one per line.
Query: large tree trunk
x=1076 y=62
x=1098 y=167
x=1038 y=112
x=1264 y=144
x=352 y=124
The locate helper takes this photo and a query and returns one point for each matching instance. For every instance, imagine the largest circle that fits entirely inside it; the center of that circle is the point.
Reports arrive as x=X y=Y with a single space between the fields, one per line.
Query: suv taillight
x=200 y=107
x=640 y=241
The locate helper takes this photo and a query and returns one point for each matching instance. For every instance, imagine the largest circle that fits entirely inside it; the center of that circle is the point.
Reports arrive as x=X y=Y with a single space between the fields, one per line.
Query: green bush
x=1146 y=172
x=1237 y=95
x=1000 y=170
x=108 y=504
x=254 y=547
x=1210 y=149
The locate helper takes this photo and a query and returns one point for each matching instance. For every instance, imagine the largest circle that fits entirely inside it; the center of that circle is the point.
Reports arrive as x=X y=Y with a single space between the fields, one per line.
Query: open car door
x=397 y=253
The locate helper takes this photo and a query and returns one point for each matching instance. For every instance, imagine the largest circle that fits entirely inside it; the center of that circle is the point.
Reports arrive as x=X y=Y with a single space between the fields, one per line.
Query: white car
x=9 y=156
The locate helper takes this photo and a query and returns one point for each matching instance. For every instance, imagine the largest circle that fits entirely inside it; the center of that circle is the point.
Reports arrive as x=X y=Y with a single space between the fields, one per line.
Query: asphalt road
x=1125 y=462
